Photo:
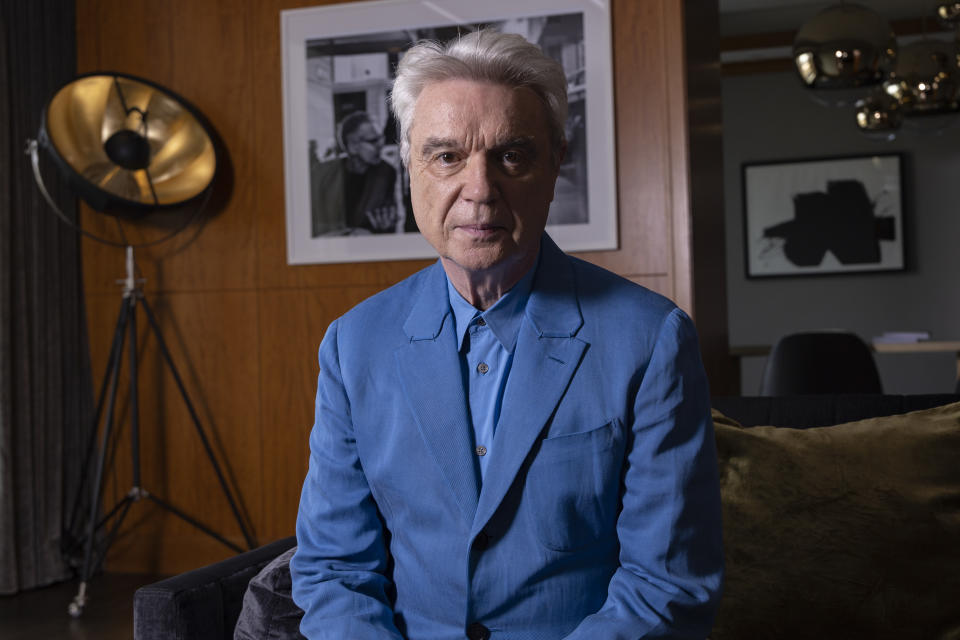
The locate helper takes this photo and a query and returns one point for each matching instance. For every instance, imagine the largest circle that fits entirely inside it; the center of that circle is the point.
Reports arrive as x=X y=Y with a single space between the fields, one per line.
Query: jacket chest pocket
x=573 y=487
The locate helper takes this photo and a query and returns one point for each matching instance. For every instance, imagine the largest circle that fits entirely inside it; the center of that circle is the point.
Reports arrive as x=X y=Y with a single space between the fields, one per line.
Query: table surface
x=917 y=347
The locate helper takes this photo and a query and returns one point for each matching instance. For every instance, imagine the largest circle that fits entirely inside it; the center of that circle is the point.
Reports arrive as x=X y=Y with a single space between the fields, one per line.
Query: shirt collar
x=503 y=318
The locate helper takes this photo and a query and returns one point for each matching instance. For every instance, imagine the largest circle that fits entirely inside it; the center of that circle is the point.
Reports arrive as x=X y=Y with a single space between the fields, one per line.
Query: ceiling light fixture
x=843 y=51
x=848 y=55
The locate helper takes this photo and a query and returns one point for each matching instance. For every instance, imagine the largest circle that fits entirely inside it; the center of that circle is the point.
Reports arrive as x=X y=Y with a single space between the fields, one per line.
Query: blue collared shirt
x=486 y=340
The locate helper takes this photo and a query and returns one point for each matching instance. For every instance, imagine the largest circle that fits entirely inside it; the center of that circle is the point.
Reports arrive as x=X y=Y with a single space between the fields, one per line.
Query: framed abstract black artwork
x=823 y=216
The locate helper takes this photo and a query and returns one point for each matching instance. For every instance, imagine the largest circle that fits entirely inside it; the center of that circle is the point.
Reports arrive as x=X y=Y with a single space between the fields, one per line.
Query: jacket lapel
x=429 y=370
x=547 y=355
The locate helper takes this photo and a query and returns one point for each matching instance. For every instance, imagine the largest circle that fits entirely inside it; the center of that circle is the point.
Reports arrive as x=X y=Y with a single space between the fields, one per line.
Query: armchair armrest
x=202 y=604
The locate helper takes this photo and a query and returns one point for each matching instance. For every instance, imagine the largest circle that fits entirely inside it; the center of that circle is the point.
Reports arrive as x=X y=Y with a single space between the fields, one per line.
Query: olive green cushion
x=848 y=531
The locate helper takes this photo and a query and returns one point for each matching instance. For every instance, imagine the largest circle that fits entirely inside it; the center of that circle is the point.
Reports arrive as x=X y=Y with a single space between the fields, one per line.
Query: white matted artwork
x=347 y=192
x=823 y=216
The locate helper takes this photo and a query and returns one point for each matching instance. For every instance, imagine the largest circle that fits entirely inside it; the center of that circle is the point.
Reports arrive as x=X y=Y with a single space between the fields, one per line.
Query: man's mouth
x=481 y=230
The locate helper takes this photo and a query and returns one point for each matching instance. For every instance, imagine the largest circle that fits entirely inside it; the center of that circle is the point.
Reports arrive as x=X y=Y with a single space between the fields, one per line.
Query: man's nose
x=479 y=185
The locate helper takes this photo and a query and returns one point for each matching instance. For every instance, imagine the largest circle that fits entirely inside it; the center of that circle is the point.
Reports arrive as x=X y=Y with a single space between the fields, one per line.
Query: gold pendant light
x=948 y=12
x=848 y=55
x=926 y=82
x=879 y=115
x=843 y=51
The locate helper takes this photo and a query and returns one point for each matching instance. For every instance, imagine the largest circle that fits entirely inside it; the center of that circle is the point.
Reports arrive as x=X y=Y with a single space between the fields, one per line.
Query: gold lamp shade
x=128 y=146
x=843 y=49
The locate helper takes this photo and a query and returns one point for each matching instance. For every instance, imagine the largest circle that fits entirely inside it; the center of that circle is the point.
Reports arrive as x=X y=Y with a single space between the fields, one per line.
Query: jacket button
x=476 y=631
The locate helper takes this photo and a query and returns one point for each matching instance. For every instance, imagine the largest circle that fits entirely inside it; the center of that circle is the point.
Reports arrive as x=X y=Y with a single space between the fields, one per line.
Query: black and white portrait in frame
x=347 y=192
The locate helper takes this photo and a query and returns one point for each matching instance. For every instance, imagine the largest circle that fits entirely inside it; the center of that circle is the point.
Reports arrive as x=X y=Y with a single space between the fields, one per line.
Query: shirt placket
x=483 y=359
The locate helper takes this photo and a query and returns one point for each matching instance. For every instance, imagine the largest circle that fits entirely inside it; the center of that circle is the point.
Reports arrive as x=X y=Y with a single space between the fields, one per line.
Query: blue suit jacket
x=599 y=515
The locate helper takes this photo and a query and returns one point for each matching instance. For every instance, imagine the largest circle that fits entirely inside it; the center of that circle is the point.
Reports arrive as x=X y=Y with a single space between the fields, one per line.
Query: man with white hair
x=511 y=443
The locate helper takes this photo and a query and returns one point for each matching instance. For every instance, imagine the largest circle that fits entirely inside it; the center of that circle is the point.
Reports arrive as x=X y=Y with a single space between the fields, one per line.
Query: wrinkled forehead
x=471 y=109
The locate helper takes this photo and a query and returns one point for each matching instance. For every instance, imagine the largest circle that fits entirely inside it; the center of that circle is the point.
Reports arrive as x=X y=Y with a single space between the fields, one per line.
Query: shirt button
x=483 y=368
x=481 y=450
x=476 y=631
x=481 y=322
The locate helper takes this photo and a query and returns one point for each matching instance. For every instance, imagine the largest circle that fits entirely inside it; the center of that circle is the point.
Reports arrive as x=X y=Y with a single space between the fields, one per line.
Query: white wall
x=770 y=117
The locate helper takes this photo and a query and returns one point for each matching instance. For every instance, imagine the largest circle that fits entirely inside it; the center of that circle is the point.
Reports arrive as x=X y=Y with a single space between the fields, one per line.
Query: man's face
x=365 y=143
x=482 y=174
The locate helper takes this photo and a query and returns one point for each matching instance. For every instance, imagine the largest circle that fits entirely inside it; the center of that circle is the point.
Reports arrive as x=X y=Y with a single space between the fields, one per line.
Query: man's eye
x=513 y=159
x=446 y=157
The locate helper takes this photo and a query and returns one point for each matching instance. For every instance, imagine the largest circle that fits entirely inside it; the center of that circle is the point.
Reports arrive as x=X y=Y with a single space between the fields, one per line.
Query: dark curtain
x=45 y=381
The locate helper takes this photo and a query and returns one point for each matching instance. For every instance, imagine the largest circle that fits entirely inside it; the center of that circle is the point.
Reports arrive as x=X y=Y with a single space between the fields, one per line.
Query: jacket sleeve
x=339 y=568
x=671 y=552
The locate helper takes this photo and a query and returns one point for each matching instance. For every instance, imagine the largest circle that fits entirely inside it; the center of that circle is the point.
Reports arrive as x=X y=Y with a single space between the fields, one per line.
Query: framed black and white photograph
x=823 y=216
x=347 y=192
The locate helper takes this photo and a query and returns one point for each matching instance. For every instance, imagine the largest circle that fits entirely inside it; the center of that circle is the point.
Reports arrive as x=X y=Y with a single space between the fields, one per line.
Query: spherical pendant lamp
x=879 y=116
x=926 y=80
x=948 y=12
x=843 y=51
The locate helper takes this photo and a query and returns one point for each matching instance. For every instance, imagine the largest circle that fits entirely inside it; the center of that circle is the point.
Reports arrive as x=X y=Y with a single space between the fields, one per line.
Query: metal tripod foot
x=75 y=608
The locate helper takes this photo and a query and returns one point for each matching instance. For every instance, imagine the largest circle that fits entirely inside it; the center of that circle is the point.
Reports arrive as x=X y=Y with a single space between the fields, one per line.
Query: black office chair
x=824 y=362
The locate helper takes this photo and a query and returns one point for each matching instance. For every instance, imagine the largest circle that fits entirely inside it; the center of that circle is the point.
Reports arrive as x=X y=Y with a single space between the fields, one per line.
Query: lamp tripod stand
x=133 y=297
x=129 y=148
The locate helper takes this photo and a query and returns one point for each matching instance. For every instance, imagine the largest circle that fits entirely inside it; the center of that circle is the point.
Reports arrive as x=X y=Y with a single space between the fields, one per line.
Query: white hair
x=486 y=56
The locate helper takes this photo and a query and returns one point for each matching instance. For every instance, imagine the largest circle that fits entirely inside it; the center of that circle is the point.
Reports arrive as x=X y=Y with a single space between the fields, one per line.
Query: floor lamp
x=129 y=148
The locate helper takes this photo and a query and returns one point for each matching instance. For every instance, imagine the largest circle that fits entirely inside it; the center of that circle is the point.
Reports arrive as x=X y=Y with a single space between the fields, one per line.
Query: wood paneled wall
x=244 y=326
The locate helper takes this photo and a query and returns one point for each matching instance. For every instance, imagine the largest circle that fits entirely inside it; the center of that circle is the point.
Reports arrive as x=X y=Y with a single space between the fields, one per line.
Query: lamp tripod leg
x=196 y=523
x=80 y=600
x=113 y=360
x=248 y=538
x=134 y=393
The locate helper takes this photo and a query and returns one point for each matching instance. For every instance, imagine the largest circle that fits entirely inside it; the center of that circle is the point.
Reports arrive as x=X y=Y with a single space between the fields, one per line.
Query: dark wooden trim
x=906 y=27
x=750 y=67
x=775 y=39
x=757 y=41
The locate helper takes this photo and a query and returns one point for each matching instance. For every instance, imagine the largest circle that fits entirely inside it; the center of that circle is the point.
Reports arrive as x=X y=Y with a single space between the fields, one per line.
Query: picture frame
x=824 y=216
x=338 y=64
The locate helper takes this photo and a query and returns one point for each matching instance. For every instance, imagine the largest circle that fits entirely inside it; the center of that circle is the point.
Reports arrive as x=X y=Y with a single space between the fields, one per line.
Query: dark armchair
x=203 y=603
x=825 y=362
